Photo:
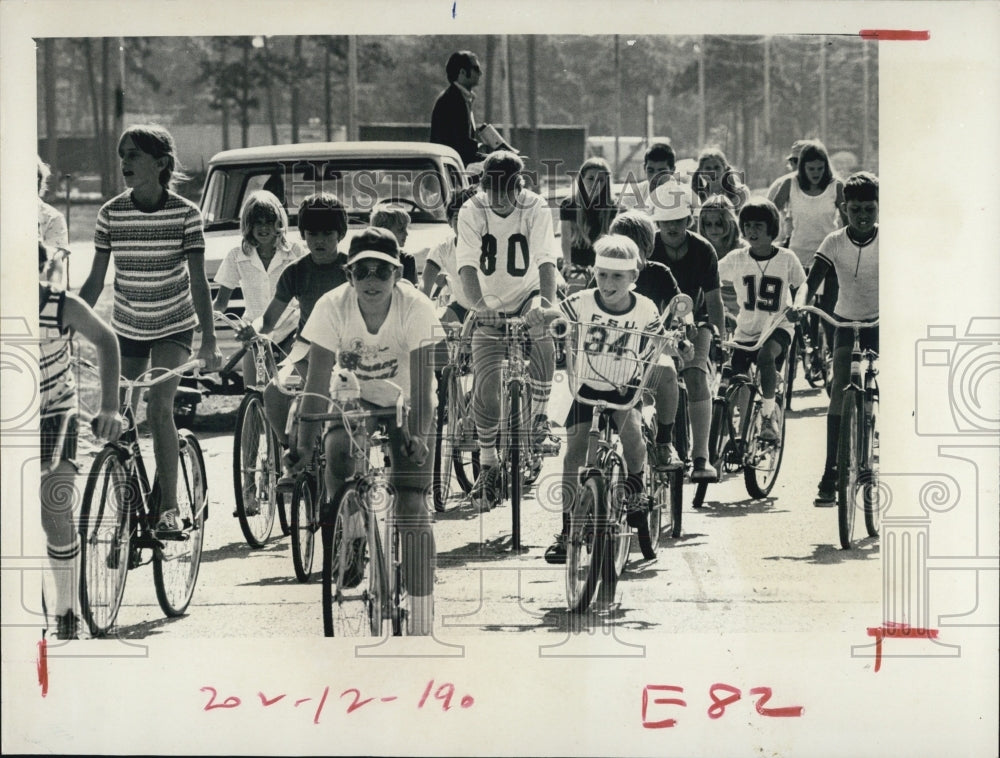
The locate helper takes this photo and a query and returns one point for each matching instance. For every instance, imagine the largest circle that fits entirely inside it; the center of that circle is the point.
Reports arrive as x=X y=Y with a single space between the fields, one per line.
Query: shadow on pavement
x=828 y=554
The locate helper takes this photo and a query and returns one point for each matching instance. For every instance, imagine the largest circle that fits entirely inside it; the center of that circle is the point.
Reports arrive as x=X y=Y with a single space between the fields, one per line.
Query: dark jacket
x=451 y=124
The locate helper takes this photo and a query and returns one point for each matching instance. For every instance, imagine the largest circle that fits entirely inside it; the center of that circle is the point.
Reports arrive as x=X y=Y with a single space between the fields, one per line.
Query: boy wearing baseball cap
x=694 y=264
x=384 y=332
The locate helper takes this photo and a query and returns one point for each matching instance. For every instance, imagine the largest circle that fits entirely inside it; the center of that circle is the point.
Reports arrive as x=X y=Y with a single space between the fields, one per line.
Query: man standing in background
x=452 y=122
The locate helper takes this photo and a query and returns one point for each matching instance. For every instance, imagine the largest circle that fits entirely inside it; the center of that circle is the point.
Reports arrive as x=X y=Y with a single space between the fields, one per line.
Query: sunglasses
x=381 y=271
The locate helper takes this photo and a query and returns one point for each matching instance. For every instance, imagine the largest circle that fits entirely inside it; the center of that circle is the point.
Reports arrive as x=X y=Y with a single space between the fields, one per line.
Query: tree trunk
x=272 y=116
x=107 y=174
x=509 y=68
x=245 y=96
x=95 y=108
x=51 y=125
x=533 y=101
x=223 y=99
x=327 y=93
x=490 y=60
x=294 y=86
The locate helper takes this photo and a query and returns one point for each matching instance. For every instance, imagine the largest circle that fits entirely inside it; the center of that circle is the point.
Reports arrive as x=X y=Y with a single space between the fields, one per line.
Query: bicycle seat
x=745 y=378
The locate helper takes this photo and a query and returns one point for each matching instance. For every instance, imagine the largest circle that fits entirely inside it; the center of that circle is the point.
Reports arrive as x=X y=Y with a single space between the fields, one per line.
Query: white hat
x=671 y=201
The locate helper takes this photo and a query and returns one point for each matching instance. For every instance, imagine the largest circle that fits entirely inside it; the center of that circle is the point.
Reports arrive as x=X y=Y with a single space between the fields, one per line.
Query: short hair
x=156 y=141
x=388 y=216
x=761 y=209
x=861 y=186
x=617 y=246
x=44 y=172
x=638 y=227
x=459 y=61
x=458 y=199
x=322 y=212
x=262 y=207
x=502 y=172
x=814 y=150
x=660 y=151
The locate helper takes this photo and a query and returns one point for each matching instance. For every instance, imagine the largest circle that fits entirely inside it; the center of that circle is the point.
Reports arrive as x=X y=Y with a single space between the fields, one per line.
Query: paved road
x=742 y=565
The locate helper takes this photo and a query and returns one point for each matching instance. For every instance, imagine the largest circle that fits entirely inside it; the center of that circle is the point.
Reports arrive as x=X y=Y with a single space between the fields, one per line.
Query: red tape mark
x=898 y=631
x=895 y=35
x=43 y=667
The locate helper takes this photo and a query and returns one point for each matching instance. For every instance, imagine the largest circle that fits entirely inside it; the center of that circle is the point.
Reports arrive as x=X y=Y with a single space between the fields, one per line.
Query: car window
x=414 y=184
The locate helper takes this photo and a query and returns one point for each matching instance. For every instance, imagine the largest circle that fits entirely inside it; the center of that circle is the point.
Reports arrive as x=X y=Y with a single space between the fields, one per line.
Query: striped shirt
x=57 y=388
x=152 y=285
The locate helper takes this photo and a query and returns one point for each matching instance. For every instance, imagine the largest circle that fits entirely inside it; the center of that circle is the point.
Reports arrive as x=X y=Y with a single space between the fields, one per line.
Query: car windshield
x=413 y=184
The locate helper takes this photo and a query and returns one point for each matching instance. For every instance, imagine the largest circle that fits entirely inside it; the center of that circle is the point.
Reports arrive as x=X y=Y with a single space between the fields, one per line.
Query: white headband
x=616 y=264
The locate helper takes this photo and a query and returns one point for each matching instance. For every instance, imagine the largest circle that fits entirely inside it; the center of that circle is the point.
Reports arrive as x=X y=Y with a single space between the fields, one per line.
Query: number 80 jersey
x=506 y=251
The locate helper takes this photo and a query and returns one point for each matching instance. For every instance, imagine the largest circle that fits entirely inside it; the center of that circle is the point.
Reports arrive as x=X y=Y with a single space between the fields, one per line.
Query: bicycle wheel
x=443 y=443
x=176 y=563
x=873 y=513
x=586 y=544
x=303 y=524
x=396 y=608
x=105 y=531
x=465 y=452
x=658 y=497
x=796 y=352
x=618 y=528
x=762 y=459
x=514 y=472
x=354 y=583
x=718 y=436
x=255 y=463
x=849 y=460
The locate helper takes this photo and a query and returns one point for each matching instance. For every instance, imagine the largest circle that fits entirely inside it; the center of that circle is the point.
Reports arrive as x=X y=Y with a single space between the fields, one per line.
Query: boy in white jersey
x=852 y=252
x=765 y=277
x=506 y=258
x=615 y=316
x=383 y=330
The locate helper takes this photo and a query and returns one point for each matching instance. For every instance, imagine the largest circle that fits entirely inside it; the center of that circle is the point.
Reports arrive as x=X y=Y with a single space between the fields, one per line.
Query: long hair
x=812 y=151
x=702 y=185
x=156 y=141
x=594 y=212
x=263 y=207
x=721 y=204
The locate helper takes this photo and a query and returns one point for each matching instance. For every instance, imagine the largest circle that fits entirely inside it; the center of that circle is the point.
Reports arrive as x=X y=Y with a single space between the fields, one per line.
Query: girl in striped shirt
x=161 y=291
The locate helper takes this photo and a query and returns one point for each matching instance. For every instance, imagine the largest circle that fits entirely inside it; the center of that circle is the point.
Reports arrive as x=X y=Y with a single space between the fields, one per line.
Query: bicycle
x=120 y=510
x=362 y=586
x=455 y=444
x=858 y=446
x=815 y=359
x=737 y=414
x=520 y=459
x=599 y=537
x=256 y=450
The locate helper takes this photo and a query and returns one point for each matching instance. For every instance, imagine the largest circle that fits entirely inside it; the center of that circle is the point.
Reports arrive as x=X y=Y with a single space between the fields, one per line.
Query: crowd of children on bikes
x=745 y=262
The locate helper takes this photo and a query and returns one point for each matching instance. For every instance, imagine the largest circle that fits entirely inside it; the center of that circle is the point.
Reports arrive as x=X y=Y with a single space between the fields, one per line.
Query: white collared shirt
x=243 y=268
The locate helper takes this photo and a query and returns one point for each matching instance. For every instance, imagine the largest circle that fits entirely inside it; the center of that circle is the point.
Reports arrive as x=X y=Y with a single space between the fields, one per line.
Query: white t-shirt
x=762 y=288
x=336 y=324
x=610 y=344
x=813 y=217
x=444 y=256
x=635 y=196
x=857 y=275
x=506 y=251
x=242 y=268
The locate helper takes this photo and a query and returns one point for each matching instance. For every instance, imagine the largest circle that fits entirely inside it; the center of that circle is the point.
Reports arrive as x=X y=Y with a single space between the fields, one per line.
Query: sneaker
x=169 y=525
x=665 y=458
x=827 y=494
x=541 y=429
x=486 y=491
x=770 y=431
x=68 y=626
x=703 y=471
x=556 y=552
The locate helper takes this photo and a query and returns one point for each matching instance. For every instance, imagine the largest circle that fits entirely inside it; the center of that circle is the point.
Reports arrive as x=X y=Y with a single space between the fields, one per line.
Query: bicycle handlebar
x=764 y=335
x=835 y=321
x=141 y=383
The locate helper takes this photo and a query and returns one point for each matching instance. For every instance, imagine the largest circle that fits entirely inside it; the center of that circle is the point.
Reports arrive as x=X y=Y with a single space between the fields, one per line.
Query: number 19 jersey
x=506 y=251
x=762 y=288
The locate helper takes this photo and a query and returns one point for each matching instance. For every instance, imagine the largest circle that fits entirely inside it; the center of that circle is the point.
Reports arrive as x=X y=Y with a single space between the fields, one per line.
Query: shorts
x=868 y=338
x=742 y=359
x=133 y=348
x=702 y=349
x=404 y=474
x=582 y=413
x=49 y=437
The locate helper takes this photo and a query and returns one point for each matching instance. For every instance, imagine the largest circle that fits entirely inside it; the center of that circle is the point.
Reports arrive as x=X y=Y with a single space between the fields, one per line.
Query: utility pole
x=120 y=102
x=532 y=101
x=822 y=89
x=618 y=106
x=505 y=88
x=865 y=88
x=700 y=48
x=767 y=91
x=352 y=88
